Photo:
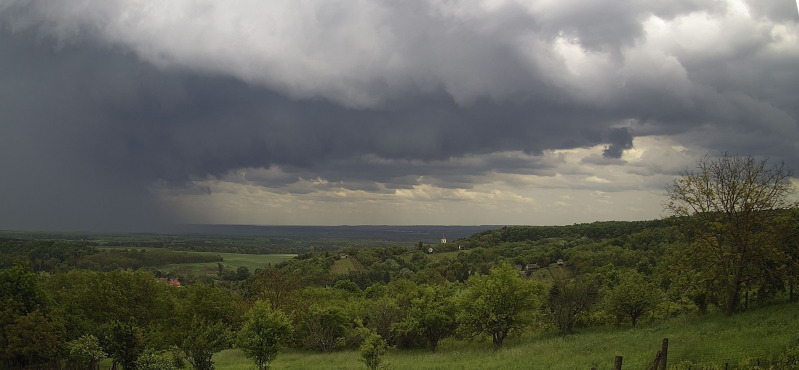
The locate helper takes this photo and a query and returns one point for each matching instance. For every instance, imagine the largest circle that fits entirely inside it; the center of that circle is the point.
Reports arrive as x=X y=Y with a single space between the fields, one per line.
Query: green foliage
x=348 y=286
x=788 y=359
x=242 y=273
x=89 y=300
x=372 y=351
x=205 y=302
x=324 y=328
x=710 y=339
x=124 y=343
x=276 y=287
x=632 y=296
x=404 y=295
x=431 y=315
x=32 y=339
x=84 y=352
x=498 y=304
x=382 y=315
x=568 y=299
x=264 y=330
x=151 y=359
x=727 y=208
x=202 y=340
x=593 y=231
x=26 y=335
x=225 y=272
x=139 y=258
x=19 y=290
x=44 y=255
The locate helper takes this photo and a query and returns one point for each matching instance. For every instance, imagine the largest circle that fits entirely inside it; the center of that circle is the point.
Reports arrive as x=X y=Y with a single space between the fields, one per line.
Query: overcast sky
x=124 y=114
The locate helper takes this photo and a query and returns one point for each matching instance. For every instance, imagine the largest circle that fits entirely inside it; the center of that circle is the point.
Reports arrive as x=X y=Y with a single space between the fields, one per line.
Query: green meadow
x=234 y=260
x=345 y=266
x=251 y=261
x=700 y=341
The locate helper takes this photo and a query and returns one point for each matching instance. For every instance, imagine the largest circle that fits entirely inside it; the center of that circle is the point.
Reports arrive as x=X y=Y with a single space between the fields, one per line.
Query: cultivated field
x=251 y=261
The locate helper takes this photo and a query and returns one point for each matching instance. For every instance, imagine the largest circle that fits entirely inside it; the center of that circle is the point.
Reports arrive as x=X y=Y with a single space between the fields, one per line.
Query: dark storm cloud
x=620 y=140
x=102 y=102
x=87 y=130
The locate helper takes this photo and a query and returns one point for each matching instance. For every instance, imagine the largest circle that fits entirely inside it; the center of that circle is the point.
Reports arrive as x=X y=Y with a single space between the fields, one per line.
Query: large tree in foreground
x=499 y=303
x=727 y=207
x=263 y=333
x=631 y=297
x=568 y=299
x=202 y=339
x=431 y=315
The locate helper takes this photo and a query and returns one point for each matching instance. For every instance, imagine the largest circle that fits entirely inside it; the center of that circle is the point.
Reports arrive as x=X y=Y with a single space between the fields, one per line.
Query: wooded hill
x=71 y=304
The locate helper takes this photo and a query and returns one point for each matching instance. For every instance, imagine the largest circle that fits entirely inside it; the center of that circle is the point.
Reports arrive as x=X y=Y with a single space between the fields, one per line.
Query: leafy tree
x=124 y=343
x=21 y=296
x=568 y=299
x=226 y=272
x=208 y=303
x=727 y=207
x=136 y=294
x=632 y=296
x=32 y=339
x=202 y=340
x=432 y=315
x=498 y=303
x=382 y=314
x=19 y=290
x=372 y=351
x=324 y=329
x=276 y=287
x=242 y=273
x=264 y=330
x=85 y=352
x=90 y=301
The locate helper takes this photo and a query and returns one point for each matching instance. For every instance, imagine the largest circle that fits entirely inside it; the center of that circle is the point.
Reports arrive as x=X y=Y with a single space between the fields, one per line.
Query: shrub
x=324 y=329
x=372 y=351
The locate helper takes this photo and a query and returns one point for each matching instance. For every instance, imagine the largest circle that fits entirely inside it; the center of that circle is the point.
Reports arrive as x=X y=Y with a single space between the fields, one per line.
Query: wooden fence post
x=617 y=363
x=660 y=357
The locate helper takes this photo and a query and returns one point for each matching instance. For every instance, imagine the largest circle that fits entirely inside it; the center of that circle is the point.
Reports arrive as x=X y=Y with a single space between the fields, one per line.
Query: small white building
x=443 y=239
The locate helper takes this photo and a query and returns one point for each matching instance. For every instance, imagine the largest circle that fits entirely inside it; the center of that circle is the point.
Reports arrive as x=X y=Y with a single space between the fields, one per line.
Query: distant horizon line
x=164 y=228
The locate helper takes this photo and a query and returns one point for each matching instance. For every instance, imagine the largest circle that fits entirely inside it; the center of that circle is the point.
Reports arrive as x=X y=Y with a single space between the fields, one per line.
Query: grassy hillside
x=345 y=266
x=703 y=340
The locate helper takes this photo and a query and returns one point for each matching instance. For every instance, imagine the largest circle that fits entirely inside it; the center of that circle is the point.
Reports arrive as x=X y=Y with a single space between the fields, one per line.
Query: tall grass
x=708 y=339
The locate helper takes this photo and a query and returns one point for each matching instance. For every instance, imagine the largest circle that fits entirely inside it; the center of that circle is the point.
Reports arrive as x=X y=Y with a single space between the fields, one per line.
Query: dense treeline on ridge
x=559 y=278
